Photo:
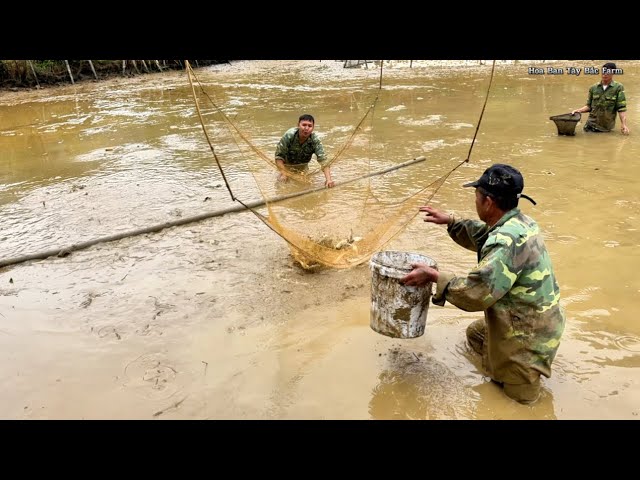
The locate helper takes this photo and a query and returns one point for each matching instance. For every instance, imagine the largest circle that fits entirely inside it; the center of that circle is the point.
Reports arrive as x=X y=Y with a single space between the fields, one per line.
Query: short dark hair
x=504 y=203
x=307 y=117
x=609 y=65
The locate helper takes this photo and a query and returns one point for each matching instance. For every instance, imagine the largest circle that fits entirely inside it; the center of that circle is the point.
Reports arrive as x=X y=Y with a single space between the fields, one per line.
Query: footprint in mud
x=148 y=329
x=151 y=377
x=89 y=298
x=161 y=308
x=108 y=331
x=123 y=331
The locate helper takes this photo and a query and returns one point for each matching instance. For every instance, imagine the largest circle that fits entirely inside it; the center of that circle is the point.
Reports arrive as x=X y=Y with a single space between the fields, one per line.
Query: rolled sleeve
x=488 y=282
x=621 y=102
x=282 y=150
x=441 y=287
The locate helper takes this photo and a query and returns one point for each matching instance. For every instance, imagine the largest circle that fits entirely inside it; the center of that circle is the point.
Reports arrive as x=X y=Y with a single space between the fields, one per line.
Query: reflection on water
x=415 y=386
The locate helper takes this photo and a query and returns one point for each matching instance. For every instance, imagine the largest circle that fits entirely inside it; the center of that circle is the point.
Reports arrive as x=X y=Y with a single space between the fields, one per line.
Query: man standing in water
x=297 y=146
x=513 y=283
x=605 y=99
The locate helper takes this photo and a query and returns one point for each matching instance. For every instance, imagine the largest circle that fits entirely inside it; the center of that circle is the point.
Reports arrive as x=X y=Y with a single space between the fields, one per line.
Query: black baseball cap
x=503 y=181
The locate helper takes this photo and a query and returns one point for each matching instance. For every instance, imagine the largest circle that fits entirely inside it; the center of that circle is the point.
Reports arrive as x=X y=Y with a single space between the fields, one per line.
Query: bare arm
x=623 y=121
x=329 y=183
x=280 y=164
x=322 y=160
x=584 y=109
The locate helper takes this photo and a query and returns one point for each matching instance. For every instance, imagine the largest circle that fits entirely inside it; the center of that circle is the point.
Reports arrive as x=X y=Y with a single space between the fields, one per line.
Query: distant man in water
x=296 y=147
x=513 y=283
x=605 y=99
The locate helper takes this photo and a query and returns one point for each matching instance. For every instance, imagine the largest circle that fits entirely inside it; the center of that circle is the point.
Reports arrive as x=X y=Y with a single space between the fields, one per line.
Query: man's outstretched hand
x=435 y=216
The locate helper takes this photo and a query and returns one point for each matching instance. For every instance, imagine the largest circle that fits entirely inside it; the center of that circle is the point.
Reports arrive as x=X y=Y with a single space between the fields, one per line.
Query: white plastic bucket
x=397 y=310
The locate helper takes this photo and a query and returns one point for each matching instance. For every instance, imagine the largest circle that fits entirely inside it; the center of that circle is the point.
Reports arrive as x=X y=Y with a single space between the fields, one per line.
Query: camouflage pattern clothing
x=515 y=285
x=292 y=152
x=604 y=106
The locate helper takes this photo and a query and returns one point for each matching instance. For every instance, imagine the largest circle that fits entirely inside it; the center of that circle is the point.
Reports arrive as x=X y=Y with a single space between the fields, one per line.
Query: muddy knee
x=523 y=393
x=476 y=335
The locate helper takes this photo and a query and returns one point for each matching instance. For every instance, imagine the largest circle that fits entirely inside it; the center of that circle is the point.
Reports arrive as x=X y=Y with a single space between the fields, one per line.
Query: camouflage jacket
x=292 y=153
x=604 y=105
x=515 y=286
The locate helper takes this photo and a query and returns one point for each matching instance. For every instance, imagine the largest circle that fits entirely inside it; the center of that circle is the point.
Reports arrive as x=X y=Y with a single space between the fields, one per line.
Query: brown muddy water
x=213 y=320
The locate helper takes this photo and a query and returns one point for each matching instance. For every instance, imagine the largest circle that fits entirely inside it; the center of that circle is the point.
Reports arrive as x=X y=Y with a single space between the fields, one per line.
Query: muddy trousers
x=592 y=128
x=525 y=393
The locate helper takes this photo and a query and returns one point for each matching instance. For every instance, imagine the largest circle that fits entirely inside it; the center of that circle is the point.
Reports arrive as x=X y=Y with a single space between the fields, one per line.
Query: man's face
x=482 y=205
x=606 y=78
x=306 y=127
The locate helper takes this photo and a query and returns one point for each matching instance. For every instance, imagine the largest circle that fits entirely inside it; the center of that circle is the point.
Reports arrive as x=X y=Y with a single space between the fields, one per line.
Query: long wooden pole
x=61 y=252
x=33 y=70
x=69 y=70
x=93 y=69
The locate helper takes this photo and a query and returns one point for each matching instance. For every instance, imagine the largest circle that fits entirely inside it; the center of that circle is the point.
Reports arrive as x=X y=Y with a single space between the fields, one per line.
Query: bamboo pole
x=158 y=65
x=124 y=65
x=144 y=64
x=33 y=70
x=69 y=70
x=61 y=252
x=93 y=69
x=135 y=65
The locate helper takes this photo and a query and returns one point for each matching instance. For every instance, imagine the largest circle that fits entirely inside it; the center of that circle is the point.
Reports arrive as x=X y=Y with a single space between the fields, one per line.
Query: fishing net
x=339 y=227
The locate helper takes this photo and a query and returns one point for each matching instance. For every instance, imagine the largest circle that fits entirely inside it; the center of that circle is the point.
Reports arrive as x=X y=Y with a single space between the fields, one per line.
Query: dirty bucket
x=566 y=123
x=397 y=310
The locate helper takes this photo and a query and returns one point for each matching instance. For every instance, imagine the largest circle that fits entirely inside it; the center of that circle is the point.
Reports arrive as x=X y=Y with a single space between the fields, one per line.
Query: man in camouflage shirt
x=605 y=99
x=513 y=283
x=297 y=146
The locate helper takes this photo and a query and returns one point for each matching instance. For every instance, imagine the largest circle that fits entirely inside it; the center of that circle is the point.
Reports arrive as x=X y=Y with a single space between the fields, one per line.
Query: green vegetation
x=17 y=74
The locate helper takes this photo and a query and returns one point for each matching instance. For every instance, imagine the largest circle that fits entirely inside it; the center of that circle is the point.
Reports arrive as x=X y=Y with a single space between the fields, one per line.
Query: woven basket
x=566 y=123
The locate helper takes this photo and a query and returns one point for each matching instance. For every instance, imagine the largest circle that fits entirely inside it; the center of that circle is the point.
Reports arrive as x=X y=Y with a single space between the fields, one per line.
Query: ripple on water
x=566 y=239
x=630 y=343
